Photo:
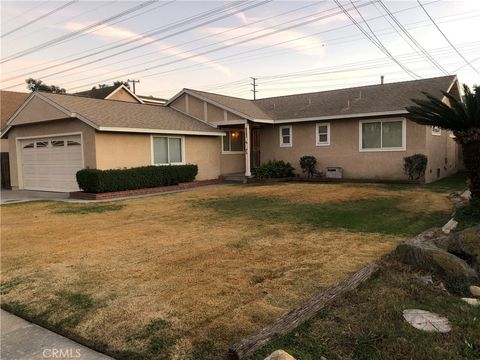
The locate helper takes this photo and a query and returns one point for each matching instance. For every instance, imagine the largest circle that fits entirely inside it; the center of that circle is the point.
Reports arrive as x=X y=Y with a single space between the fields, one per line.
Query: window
x=57 y=143
x=387 y=135
x=234 y=141
x=73 y=143
x=29 y=146
x=41 y=144
x=286 y=136
x=436 y=131
x=323 y=134
x=167 y=150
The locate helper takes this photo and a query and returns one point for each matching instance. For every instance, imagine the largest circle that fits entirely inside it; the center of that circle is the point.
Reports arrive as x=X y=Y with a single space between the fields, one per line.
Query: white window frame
x=436 y=131
x=290 y=129
x=182 y=141
x=234 y=152
x=404 y=136
x=318 y=142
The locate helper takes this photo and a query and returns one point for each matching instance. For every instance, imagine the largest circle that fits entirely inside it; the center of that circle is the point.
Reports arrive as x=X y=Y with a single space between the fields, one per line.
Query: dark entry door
x=255 y=148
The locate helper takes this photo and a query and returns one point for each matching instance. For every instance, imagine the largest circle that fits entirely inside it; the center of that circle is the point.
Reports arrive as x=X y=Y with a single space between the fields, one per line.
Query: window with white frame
x=382 y=135
x=437 y=131
x=323 y=134
x=234 y=141
x=286 y=136
x=167 y=150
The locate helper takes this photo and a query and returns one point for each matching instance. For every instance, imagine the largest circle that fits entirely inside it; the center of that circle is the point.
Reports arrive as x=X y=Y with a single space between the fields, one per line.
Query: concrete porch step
x=235 y=178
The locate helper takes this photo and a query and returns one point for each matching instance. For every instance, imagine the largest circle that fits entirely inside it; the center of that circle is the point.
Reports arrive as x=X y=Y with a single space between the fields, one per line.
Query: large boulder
x=423 y=253
x=466 y=244
x=279 y=355
x=436 y=260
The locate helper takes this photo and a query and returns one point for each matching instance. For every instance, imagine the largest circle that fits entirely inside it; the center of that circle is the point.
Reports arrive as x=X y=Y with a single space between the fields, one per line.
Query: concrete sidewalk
x=22 y=340
x=18 y=196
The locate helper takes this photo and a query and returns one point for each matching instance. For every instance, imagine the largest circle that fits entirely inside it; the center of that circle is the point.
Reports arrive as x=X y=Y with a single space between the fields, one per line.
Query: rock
x=425 y=280
x=426 y=321
x=472 y=301
x=431 y=258
x=449 y=226
x=474 y=290
x=466 y=243
x=466 y=195
x=279 y=355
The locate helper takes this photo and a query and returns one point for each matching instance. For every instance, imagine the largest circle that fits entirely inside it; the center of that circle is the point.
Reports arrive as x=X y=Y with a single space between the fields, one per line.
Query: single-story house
x=363 y=130
x=10 y=101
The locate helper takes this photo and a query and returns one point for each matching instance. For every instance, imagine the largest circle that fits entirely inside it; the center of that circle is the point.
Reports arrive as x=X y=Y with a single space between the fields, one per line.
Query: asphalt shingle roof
x=106 y=113
x=10 y=101
x=349 y=101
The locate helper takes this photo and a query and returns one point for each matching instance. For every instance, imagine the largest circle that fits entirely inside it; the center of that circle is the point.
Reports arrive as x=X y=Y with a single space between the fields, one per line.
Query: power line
x=405 y=31
x=224 y=47
x=174 y=46
x=446 y=38
x=26 y=12
x=375 y=40
x=236 y=56
x=77 y=32
x=38 y=18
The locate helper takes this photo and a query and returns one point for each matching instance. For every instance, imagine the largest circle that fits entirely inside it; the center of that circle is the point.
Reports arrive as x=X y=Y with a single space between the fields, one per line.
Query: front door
x=255 y=148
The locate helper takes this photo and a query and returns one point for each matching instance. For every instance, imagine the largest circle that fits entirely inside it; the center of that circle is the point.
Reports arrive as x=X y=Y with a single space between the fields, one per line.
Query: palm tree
x=463 y=119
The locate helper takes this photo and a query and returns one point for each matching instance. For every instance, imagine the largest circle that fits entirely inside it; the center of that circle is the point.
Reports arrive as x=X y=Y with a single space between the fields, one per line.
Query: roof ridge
x=354 y=87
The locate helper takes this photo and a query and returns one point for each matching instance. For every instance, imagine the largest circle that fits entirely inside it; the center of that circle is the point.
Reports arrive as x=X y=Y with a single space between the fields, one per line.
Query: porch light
x=234 y=134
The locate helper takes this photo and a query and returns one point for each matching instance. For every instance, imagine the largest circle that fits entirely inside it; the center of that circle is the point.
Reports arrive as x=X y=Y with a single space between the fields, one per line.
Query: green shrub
x=100 y=181
x=308 y=163
x=274 y=169
x=415 y=165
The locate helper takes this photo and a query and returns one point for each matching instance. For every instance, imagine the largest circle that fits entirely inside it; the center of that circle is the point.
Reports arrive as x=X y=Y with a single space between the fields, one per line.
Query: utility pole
x=133 y=82
x=254 y=84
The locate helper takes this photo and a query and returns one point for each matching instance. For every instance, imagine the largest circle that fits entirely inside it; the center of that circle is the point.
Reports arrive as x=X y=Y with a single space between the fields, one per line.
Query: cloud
x=165 y=48
x=290 y=39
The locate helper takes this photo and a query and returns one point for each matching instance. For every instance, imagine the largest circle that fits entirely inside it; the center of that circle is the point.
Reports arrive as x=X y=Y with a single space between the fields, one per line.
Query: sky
x=289 y=46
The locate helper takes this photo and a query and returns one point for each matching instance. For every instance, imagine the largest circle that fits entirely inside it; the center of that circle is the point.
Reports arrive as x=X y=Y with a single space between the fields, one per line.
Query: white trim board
x=160 y=131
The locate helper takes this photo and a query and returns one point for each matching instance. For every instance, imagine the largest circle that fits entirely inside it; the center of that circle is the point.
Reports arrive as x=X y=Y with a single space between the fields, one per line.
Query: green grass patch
x=9 y=285
x=76 y=209
x=383 y=215
x=367 y=323
x=455 y=182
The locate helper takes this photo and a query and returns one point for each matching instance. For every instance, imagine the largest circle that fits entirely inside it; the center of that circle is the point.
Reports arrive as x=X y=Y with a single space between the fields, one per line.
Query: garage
x=50 y=164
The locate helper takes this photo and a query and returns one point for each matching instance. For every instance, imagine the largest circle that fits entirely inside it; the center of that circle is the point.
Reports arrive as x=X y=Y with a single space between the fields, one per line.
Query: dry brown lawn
x=163 y=278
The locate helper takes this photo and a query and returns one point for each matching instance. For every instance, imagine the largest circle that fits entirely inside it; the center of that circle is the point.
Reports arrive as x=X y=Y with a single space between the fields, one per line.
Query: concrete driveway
x=17 y=196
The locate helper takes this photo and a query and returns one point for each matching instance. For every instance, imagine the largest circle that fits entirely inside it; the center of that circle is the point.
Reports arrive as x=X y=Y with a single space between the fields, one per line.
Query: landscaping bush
x=100 y=181
x=308 y=163
x=274 y=169
x=415 y=166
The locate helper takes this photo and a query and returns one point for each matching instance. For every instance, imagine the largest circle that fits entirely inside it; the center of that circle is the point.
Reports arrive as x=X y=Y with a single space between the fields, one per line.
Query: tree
x=463 y=119
x=38 y=85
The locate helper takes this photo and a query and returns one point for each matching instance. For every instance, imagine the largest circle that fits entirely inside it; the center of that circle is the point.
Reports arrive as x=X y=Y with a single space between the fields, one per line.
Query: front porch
x=240 y=151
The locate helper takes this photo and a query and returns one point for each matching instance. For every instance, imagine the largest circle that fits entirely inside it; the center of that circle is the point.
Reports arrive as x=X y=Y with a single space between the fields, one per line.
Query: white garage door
x=51 y=163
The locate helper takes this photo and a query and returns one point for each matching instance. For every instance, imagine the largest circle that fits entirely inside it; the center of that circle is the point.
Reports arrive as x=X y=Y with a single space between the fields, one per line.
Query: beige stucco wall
x=443 y=155
x=122 y=150
x=196 y=108
x=38 y=110
x=179 y=104
x=123 y=95
x=125 y=150
x=343 y=150
x=4 y=145
x=51 y=128
x=232 y=163
x=204 y=151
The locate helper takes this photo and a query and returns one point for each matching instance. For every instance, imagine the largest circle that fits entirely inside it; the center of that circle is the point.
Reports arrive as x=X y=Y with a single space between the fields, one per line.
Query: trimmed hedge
x=274 y=169
x=101 y=181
